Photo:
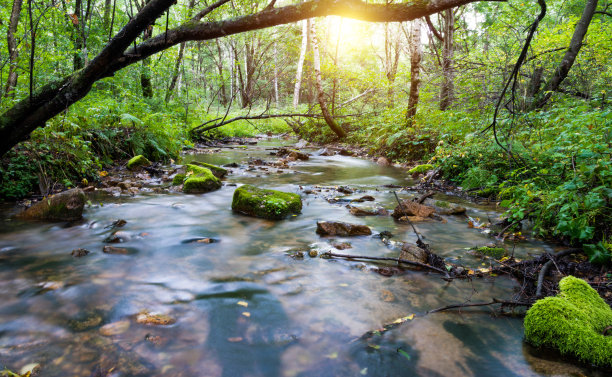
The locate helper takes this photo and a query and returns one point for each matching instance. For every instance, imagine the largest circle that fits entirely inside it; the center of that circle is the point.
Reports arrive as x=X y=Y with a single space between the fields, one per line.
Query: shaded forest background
x=424 y=91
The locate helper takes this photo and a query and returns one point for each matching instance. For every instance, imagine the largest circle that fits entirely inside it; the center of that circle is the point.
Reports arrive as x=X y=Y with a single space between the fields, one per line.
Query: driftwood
x=398 y=260
x=468 y=305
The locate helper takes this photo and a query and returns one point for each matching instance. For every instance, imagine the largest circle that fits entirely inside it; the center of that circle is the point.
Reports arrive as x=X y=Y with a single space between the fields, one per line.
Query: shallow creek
x=243 y=306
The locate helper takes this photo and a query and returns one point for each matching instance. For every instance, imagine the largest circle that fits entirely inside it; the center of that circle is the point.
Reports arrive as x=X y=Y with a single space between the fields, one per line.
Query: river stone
x=573 y=322
x=115 y=250
x=413 y=253
x=200 y=180
x=333 y=228
x=383 y=161
x=78 y=253
x=365 y=211
x=292 y=154
x=138 y=161
x=65 y=206
x=146 y=318
x=217 y=171
x=115 y=328
x=268 y=204
x=409 y=208
x=445 y=208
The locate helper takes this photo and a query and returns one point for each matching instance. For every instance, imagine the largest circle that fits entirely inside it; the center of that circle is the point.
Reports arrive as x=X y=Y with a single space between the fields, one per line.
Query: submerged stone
x=413 y=253
x=200 y=180
x=409 y=208
x=573 y=322
x=217 y=171
x=332 y=228
x=65 y=206
x=138 y=161
x=267 y=204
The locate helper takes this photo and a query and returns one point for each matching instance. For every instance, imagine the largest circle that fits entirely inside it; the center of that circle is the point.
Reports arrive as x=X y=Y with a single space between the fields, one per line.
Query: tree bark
x=570 y=55
x=32 y=112
x=176 y=72
x=13 y=53
x=300 y=65
x=319 y=84
x=416 y=55
x=447 y=92
x=391 y=61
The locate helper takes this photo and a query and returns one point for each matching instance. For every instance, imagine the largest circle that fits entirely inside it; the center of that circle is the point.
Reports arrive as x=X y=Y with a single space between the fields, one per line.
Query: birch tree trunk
x=319 y=85
x=416 y=55
x=275 y=75
x=13 y=53
x=300 y=65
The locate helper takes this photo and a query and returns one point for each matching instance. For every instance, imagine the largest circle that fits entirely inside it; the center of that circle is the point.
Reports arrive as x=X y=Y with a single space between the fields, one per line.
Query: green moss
x=421 y=169
x=178 y=179
x=572 y=322
x=199 y=180
x=268 y=204
x=442 y=204
x=495 y=252
x=138 y=161
x=218 y=171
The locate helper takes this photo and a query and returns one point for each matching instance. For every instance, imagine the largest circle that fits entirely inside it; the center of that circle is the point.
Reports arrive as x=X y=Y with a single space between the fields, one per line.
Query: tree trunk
x=570 y=55
x=222 y=94
x=176 y=73
x=320 y=94
x=300 y=65
x=447 y=92
x=145 y=72
x=392 y=55
x=275 y=74
x=107 y=14
x=77 y=59
x=13 y=53
x=416 y=55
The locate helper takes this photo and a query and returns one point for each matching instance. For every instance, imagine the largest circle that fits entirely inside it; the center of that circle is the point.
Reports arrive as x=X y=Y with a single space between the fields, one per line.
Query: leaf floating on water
x=246 y=314
x=343 y=285
x=404 y=353
x=243 y=303
x=333 y=355
x=375 y=346
x=364 y=371
x=470 y=272
x=235 y=339
x=404 y=319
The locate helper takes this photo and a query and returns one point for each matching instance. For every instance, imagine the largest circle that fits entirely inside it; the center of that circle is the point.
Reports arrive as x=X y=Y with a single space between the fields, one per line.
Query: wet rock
x=383 y=161
x=342 y=245
x=231 y=165
x=292 y=154
x=115 y=250
x=325 y=152
x=413 y=253
x=138 y=161
x=30 y=370
x=301 y=144
x=65 y=206
x=445 y=208
x=146 y=318
x=268 y=204
x=415 y=219
x=345 y=190
x=313 y=253
x=118 y=237
x=332 y=228
x=217 y=171
x=367 y=198
x=117 y=224
x=89 y=189
x=409 y=208
x=200 y=240
x=86 y=321
x=156 y=340
x=124 y=185
x=200 y=180
x=346 y=152
x=78 y=253
x=178 y=179
x=360 y=211
x=115 y=328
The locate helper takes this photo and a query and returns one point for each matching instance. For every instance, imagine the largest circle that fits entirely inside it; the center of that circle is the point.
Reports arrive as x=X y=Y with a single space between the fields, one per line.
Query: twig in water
x=418 y=264
x=467 y=305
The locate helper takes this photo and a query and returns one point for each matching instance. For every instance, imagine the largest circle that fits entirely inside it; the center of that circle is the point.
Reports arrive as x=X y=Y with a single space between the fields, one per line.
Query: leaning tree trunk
x=447 y=92
x=570 y=55
x=13 y=53
x=176 y=73
x=300 y=65
x=319 y=85
x=416 y=55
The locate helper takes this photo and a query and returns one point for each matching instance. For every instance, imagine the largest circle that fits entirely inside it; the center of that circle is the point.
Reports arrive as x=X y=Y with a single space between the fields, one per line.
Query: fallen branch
x=549 y=264
x=424 y=196
x=467 y=305
x=398 y=260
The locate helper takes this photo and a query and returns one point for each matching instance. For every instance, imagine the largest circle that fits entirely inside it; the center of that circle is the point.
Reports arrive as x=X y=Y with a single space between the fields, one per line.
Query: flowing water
x=243 y=305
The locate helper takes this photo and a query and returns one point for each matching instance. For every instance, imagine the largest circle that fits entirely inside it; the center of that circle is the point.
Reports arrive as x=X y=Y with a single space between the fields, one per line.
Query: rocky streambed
x=154 y=281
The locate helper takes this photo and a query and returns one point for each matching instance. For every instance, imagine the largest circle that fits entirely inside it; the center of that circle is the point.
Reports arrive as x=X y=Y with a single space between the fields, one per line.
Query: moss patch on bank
x=573 y=322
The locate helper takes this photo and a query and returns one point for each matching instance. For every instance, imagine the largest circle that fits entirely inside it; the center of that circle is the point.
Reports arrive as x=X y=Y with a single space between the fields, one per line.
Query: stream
x=245 y=305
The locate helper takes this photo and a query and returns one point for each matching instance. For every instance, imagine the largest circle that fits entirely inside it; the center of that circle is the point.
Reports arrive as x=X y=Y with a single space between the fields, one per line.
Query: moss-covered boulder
x=65 y=206
x=217 y=171
x=420 y=169
x=200 y=180
x=178 y=179
x=138 y=161
x=267 y=204
x=573 y=322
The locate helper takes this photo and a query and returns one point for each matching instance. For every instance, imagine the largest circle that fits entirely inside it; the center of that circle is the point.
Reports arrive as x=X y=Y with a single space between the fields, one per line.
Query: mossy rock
x=65 y=206
x=218 y=171
x=573 y=322
x=178 y=179
x=495 y=252
x=200 y=180
x=419 y=169
x=267 y=204
x=138 y=161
